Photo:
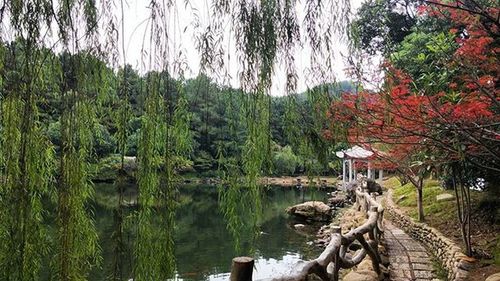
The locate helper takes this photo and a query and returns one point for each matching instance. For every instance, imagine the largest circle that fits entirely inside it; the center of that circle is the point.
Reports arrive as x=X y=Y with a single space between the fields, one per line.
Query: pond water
x=204 y=247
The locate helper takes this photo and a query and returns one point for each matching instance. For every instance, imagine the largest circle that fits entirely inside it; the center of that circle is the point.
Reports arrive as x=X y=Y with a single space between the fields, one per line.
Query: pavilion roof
x=355 y=152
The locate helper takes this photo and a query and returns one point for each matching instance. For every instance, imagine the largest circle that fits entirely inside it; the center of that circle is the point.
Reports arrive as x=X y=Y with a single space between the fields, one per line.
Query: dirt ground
x=484 y=235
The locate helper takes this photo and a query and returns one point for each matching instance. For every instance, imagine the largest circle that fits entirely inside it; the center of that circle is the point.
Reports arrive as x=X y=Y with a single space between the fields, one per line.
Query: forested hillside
x=216 y=116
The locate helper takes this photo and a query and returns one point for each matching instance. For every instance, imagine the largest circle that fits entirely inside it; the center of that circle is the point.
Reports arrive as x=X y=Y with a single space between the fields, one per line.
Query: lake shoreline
x=284 y=181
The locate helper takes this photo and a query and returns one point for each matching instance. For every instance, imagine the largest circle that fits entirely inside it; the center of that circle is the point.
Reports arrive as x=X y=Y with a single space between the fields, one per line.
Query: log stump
x=242 y=269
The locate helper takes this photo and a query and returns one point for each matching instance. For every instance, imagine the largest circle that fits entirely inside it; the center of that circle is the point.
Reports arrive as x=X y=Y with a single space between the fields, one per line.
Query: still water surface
x=204 y=247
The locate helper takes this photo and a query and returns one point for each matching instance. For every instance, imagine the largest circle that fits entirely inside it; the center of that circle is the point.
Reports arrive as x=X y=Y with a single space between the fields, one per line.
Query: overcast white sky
x=136 y=30
x=181 y=43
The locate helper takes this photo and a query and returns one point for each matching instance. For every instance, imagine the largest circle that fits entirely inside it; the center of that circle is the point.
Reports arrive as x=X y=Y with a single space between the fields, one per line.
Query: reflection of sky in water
x=264 y=268
x=275 y=268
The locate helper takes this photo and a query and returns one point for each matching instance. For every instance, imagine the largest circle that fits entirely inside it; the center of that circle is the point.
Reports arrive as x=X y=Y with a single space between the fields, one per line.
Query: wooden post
x=242 y=269
x=336 y=230
x=371 y=252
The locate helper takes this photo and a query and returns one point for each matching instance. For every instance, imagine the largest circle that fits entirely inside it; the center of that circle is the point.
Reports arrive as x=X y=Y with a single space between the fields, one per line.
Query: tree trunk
x=465 y=221
x=420 y=205
x=418 y=182
x=462 y=197
x=468 y=207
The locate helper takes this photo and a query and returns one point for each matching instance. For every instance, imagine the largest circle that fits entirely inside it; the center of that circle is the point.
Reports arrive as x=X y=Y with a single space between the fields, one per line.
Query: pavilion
x=352 y=156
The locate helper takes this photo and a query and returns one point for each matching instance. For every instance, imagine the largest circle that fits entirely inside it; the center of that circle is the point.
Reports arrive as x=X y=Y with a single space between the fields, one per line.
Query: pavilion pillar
x=343 y=173
x=355 y=171
x=350 y=170
x=380 y=174
x=369 y=173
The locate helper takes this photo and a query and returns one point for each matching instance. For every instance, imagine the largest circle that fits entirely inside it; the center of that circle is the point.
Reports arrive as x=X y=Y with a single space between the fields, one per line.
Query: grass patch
x=439 y=270
x=408 y=193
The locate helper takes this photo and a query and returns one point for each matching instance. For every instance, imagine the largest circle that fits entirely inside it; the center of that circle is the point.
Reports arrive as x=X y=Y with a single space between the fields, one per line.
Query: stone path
x=408 y=259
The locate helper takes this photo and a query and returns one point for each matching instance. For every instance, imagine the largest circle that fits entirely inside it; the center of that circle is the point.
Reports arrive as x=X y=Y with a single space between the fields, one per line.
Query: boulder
x=299 y=226
x=444 y=197
x=401 y=198
x=338 y=201
x=494 y=277
x=108 y=168
x=312 y=210
x=130 y=163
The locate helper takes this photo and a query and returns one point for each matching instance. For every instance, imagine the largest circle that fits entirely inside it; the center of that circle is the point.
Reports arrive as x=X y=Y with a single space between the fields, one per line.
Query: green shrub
x=285 y=161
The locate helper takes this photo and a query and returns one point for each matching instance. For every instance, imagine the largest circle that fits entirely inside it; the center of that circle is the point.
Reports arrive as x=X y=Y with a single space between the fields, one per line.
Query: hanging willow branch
x=77 y=248
x=266 y=34
x=26 y=166
x=164 y=145
x=147 y=265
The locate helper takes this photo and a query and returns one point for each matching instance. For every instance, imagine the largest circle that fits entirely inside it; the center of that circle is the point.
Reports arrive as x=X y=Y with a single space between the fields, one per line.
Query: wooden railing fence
x=335 y=256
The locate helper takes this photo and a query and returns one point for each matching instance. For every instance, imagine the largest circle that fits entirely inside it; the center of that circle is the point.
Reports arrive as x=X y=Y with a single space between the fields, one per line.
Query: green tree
x=285 y=162
x=425 y=56
x=380 y=25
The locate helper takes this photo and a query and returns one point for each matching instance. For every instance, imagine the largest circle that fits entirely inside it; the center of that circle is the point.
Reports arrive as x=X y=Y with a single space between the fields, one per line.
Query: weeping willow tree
x=147 y=266
x=121 y=118
x=26 y=166
x=26 y=154
x=267 y=35
x=165 y=142
x=309 y=123
x=77 y=246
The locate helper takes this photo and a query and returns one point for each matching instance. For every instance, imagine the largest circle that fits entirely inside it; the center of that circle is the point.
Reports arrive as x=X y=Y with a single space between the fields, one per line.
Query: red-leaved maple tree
x=417 y=128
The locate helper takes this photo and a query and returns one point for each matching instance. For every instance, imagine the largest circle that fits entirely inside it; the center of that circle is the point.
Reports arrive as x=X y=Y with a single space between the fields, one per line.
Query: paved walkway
x=408 y=259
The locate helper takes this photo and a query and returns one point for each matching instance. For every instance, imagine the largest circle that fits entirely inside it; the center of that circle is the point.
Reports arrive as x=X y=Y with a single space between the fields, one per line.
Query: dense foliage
x=215 y=123
x=437 y=110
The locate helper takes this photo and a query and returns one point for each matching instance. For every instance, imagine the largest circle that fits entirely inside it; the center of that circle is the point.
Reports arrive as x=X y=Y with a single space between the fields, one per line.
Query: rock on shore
x=311 y=210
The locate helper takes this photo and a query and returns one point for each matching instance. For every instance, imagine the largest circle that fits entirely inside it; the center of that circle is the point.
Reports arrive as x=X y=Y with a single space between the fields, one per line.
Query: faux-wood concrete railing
x=335 y=255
